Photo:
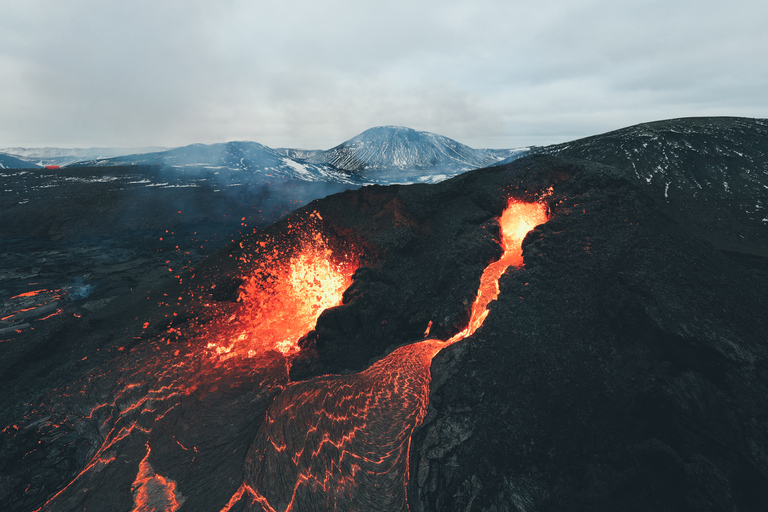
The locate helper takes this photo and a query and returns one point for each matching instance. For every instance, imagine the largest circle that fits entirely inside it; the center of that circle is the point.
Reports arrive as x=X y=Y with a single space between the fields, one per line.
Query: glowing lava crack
x=341 y=442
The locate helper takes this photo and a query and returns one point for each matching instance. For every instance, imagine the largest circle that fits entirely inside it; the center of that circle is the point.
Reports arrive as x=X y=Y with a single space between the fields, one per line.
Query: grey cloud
x=490 y=73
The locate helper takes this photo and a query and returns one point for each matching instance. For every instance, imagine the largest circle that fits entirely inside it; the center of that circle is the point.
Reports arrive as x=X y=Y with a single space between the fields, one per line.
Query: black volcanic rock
x=623 y=368
x=710 y=171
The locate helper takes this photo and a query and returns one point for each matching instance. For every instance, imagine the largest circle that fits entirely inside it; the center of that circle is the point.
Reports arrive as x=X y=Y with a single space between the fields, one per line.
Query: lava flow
x=235 y=364
x=342 y=442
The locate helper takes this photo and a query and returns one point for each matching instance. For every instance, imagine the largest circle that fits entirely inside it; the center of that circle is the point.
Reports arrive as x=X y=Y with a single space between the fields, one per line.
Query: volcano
x=403 y=348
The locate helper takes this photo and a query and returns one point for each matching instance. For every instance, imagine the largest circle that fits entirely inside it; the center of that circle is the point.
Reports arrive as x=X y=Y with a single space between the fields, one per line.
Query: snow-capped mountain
x=383 y=155
x=241 y=157
x=396 y=154
x=66 y=156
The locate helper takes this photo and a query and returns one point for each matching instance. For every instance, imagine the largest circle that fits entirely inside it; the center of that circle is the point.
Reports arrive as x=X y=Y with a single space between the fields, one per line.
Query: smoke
x=79 y=289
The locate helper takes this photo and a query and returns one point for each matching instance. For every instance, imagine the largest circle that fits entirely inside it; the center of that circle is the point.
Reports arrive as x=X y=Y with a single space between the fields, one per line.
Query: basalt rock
x=623 y=368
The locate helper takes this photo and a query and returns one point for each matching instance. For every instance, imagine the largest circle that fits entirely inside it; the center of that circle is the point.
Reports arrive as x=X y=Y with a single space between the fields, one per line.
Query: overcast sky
x=313 y=73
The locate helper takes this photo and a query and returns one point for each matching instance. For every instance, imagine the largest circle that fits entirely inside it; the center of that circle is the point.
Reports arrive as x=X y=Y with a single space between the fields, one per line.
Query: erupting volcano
x=388 y=349
x=341 y=442
x=335 y=442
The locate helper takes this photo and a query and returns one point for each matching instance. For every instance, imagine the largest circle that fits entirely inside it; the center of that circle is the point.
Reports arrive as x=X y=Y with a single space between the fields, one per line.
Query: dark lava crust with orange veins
x=622 y=365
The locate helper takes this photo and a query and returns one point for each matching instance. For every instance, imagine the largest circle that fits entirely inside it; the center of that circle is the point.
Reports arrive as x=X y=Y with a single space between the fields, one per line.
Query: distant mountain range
x=39 y=157
x=383 y=155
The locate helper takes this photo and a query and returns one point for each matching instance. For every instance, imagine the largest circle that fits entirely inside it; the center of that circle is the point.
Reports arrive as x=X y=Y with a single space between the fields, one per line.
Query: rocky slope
x=623 y=368
x=711 y=170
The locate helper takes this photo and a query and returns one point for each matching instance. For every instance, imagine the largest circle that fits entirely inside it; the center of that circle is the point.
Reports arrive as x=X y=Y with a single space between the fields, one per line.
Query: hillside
x=713 y=171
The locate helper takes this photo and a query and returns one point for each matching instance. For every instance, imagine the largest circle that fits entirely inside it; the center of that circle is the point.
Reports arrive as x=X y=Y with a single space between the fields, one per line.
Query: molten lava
x=278 y=311
x=282 y=300
x=153 y=492
x=342 y=442
x=336 y=442
x=517 y=220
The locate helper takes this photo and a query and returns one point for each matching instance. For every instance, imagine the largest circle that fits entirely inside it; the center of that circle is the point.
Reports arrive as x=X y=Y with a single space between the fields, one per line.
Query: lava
x=517 y=220
x=279 y=310
x=288 y=287
x=153 y=492
x=280 y=301
x=336 y=442
x=342 y=442
x=33 y=293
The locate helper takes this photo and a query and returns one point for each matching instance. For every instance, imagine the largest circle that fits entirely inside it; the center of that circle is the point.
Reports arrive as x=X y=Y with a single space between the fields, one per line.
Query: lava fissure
x=342 y=442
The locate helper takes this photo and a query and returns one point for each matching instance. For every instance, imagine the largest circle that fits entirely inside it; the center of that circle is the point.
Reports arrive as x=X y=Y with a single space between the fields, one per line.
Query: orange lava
x=29 y=294
x=517 y=220
x=342 y=442
x=282 y=300
x=331 y=443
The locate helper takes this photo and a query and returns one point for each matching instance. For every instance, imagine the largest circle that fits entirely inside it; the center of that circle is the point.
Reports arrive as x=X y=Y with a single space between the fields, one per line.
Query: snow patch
x=301 y=169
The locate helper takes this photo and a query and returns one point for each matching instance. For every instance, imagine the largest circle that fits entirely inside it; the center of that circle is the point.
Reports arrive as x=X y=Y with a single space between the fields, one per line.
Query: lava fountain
x=281 y=301
x=342 y=442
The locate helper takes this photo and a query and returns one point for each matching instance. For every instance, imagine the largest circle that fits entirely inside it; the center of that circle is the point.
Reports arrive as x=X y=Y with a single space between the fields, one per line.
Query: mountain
x=396 y=154
x=12 y=162
x=241 y=158
x=382 y=155
x=66 y=156
x=709 y=158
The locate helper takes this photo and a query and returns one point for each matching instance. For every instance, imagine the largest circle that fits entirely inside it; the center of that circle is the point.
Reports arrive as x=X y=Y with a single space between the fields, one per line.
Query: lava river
x=341 y=442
